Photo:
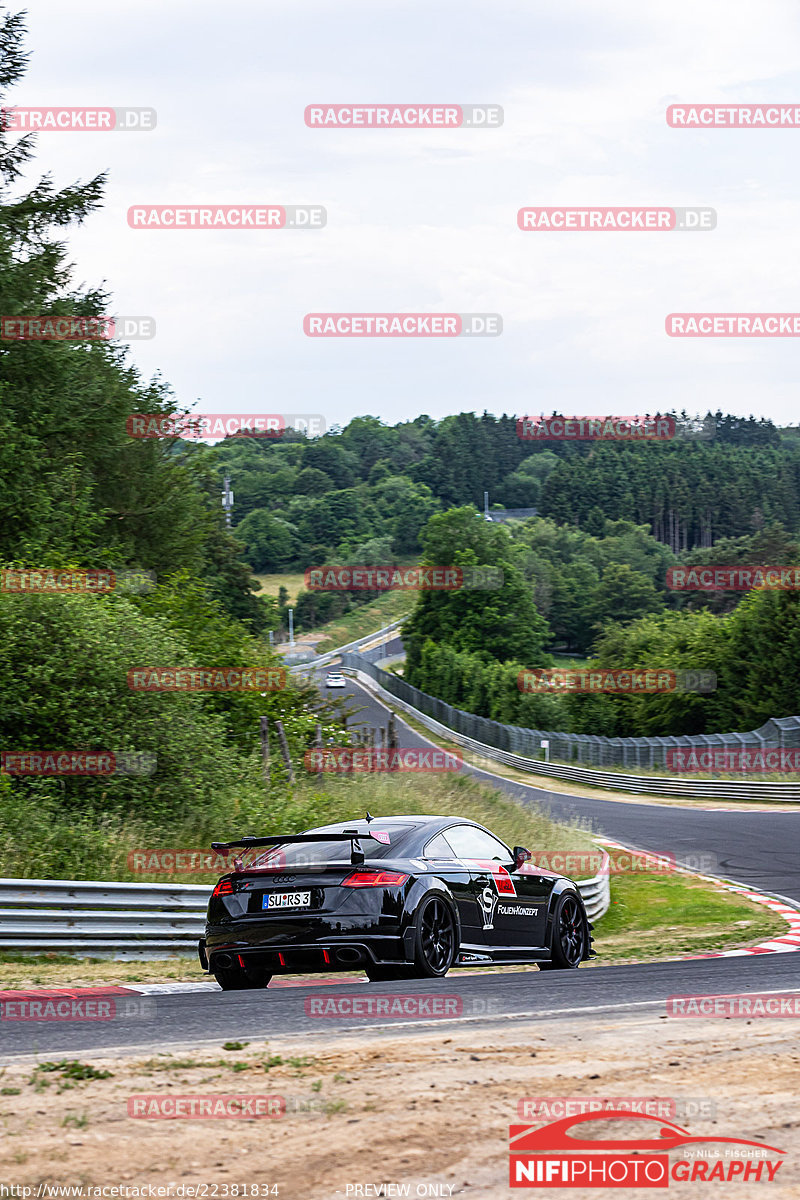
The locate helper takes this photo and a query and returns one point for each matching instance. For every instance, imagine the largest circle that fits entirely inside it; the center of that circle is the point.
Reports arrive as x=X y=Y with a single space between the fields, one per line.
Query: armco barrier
x=135 y=920
x=101 y=920
x=396 y=691
x=323 y=659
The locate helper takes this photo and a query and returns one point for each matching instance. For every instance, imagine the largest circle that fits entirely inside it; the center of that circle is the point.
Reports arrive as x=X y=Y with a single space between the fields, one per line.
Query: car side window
x=438 y=847
x=469 y=842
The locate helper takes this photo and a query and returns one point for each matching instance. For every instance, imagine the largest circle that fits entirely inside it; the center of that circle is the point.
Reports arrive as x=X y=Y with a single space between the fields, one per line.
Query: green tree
x=623 y=595
x=270 y=543
x=74 y=486
x=500 y=622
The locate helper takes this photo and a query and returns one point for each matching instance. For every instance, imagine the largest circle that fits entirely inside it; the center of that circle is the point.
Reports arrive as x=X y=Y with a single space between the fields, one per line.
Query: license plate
x=286 y=900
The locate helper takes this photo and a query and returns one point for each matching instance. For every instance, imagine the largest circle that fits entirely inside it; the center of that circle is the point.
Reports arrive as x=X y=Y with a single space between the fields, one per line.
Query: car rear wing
x=353 y=836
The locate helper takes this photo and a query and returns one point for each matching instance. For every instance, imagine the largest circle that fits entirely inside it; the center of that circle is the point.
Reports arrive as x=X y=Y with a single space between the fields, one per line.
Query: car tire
x=234 y=979
x=569 y=934
x=435 y=938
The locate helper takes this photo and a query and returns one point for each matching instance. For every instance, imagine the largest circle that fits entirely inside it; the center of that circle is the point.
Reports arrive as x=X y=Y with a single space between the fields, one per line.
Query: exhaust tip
x=348 y=954
x=223 y=960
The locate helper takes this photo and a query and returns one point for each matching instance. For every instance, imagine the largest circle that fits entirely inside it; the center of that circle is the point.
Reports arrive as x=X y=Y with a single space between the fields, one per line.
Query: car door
x=513 y=903
x=440 y=858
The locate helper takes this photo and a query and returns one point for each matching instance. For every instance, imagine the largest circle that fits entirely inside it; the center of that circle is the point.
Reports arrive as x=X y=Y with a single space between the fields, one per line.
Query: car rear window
x=306 y=854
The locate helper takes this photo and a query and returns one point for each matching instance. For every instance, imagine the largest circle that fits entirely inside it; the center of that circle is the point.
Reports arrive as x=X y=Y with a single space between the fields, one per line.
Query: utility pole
x=227 y=501
x=291 y=628
x=486 y=505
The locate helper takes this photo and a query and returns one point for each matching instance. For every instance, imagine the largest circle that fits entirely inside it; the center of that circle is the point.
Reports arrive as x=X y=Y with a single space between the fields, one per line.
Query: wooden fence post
x=318 y=748
x=392 y=741
x=264 y=733
x=284 y=744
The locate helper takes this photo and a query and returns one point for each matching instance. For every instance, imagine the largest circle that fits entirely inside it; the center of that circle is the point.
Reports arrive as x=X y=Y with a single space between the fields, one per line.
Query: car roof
x=425 y=825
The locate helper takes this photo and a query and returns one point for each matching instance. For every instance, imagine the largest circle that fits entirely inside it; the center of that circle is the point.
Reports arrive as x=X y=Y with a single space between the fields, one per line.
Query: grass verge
x=653 y=916
x=293 y=581
x=364 y=620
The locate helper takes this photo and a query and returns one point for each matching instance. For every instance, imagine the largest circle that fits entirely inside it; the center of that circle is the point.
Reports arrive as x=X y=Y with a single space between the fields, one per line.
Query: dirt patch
x=422 y=1110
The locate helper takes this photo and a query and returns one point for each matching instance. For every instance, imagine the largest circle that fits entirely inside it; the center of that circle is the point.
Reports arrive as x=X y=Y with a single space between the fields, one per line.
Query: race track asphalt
x=586 y=995
x=759 y=848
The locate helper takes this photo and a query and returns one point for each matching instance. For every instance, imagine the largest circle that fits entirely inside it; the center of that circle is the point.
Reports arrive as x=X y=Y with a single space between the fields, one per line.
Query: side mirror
x=521 y=855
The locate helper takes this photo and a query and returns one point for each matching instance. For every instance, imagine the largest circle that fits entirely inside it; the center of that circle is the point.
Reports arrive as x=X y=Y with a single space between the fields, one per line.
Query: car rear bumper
x=344 y=953
x=308 y=943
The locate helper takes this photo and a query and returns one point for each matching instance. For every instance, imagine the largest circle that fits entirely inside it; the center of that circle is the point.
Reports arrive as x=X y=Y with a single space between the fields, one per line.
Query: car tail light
x=223 y=888
x=365 y=879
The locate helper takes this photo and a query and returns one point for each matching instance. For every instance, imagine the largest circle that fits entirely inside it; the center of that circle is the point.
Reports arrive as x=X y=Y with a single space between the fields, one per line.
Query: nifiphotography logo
x=560 y=1155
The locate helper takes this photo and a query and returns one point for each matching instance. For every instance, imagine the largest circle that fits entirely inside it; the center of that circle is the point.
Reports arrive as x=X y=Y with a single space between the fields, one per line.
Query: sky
x=426 y=220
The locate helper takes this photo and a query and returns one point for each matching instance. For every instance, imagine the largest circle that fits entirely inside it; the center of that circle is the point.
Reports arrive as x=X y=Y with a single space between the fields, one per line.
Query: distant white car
x=335 y=680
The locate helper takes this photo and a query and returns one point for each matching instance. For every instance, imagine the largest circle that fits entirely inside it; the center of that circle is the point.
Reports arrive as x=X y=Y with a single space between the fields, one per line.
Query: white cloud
x=427 y=220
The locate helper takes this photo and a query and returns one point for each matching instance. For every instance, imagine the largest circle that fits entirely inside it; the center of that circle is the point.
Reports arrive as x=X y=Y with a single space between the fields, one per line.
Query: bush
x=64 y=686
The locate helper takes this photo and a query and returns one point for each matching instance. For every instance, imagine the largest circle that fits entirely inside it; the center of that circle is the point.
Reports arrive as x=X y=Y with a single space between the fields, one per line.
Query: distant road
x=760 y=848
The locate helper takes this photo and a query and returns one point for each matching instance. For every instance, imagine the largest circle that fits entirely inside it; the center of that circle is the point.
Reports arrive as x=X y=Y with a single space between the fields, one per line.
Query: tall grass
x=38 y=841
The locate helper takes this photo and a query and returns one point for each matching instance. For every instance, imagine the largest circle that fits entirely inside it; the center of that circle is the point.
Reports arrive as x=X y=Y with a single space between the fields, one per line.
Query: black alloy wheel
x=569 y=935
x=435 y=946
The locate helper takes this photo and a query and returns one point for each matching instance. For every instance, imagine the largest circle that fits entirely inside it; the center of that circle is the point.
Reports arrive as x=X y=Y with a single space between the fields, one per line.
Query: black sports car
x=396 y=896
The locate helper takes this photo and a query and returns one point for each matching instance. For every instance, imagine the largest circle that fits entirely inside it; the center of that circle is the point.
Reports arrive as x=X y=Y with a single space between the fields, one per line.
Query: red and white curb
x=80 y=1001
x=777 y=945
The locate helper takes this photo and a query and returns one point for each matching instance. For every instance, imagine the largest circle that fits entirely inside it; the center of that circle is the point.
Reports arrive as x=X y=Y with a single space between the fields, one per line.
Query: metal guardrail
x=591 y=750
x=134 y=920
x=329 y=655
x=651 y=785
x=101 y=920
x=596 y=892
